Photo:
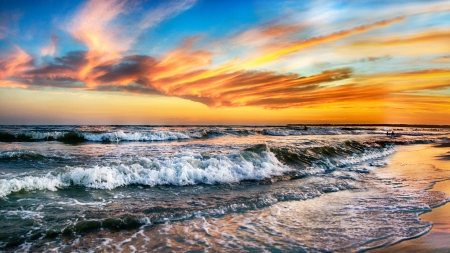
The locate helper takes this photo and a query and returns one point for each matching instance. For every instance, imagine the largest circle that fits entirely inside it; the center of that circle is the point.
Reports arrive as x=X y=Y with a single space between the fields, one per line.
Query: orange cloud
x=272 y=90
x=251 y=87
x=410 y=81
x=182 y=61
x=12 y=84
x=14 y=63
x=423 y=37
x=418 y=44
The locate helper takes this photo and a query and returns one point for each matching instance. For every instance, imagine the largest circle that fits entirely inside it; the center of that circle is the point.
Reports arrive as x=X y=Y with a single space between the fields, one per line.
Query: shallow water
x=129 y=188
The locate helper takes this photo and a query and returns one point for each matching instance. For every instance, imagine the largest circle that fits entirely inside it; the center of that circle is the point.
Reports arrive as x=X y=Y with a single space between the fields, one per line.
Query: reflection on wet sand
x=437 y=239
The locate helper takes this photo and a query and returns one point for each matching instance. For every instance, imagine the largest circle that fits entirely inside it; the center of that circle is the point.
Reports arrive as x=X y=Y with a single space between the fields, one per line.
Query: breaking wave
x=14 y=155
x=136 y=133
x=182 y=169
x=256 y=163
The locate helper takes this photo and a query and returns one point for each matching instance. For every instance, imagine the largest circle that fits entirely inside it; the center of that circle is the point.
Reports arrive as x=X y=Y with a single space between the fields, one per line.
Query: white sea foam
x=24 y=214
x=15 y=154
x=278 y=133
x=181 y=169
x=45 y=135
x=28 y=183
x=135 y=136
x=367 y=156
x=300 y=131
x=74 y=202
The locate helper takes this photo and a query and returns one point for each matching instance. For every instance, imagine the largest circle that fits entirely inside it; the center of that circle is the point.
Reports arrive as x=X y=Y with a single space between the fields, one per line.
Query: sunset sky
x=224 y=62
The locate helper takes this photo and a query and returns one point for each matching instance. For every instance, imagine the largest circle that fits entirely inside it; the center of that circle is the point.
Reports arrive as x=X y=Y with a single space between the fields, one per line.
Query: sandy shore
x=413 y=158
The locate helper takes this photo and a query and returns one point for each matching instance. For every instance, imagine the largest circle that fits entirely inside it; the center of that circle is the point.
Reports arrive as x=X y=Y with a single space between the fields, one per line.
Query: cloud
x=14 y=62
x=73 y=59
x=406 y=39
x=267 y=35
x=50 y=49
x=244 y=88
x=182 y=61
x=420 y=43
x=316 y=41
x=91 y=25
x=129 y=69
x=101 y=26
x=135 y=89
x=62 y=72
x=190 y=72
x=268 y=89
x=443 y=59
x=374 y=58
x=111 y=26
x=410 y=81
x=164 y=11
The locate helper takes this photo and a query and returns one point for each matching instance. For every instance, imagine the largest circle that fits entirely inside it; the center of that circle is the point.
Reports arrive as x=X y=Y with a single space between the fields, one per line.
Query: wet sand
x=438 y=238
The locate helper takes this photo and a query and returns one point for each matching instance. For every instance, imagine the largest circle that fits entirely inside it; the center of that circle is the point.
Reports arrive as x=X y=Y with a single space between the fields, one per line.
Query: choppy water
x=207 y=187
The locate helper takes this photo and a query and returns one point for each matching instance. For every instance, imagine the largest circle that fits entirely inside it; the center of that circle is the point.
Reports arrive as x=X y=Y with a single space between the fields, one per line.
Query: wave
x=15 y=155
x=112 y=134
x=95 y=137
x=135 y=136
x=182 y=169
x=256 y=163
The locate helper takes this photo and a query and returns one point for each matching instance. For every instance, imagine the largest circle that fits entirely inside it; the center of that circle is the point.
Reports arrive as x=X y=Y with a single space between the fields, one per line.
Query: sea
x=144 y=188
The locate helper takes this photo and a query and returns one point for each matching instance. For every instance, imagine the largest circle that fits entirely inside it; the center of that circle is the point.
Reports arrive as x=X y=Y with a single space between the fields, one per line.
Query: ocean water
x=213 y=188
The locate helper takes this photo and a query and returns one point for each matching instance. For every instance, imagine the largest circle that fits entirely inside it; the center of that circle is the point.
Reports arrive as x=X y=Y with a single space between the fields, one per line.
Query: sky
x=257 y=62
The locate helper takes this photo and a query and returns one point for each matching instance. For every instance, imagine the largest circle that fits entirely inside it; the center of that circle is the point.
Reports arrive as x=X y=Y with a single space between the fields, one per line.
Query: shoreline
x=434 y=240
x=437 y=238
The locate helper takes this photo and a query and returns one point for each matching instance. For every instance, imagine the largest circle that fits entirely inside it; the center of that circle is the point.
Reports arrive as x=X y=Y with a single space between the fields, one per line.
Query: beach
x=419 y=164
x=224 y=126
x=223 y=188
x=437 y=239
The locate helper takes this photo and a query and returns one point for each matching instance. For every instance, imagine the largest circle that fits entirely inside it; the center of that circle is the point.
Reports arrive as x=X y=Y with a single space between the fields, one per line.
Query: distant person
x=305 y=128
x=392 y=133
